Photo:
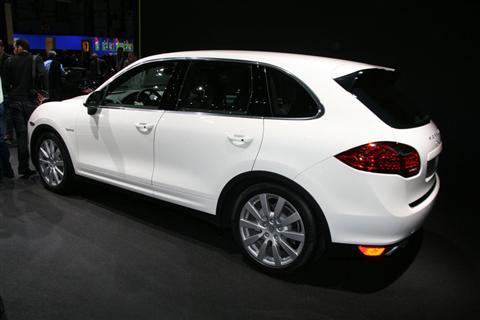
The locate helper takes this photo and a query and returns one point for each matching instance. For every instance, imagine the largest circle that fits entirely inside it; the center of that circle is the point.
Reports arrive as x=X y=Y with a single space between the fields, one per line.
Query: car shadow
x=3 y=315
x=339 y=270
x=164 y=216
x=347 y=271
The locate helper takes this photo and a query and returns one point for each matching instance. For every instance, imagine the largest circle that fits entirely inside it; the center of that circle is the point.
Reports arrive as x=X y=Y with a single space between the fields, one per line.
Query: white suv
x=293 y=152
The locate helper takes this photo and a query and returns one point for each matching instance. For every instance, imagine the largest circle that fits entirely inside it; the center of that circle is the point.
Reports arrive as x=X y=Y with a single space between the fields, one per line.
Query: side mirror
x=93 y=101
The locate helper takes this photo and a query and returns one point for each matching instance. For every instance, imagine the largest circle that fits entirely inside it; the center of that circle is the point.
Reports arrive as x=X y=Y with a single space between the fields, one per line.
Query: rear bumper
x=341 y=250
x=367 y=209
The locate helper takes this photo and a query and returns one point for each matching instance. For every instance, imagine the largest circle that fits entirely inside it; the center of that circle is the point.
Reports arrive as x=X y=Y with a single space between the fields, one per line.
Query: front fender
x=59 y=117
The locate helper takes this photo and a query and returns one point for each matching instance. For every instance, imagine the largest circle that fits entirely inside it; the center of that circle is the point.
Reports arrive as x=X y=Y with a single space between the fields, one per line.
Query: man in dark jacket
x=3 y=57
x=8 y=129
x=5 y=167
x=23 y=73
x=98 y=67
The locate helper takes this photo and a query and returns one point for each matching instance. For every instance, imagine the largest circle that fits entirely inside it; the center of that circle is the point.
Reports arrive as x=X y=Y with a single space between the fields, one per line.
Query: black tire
x=67 y=183
x=314 y=241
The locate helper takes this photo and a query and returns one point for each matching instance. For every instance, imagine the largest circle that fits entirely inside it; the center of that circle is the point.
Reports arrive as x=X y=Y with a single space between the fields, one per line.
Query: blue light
x=37 y=42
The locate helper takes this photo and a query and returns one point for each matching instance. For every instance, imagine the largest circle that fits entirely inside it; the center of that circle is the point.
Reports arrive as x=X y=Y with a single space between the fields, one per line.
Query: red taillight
x=383 y=157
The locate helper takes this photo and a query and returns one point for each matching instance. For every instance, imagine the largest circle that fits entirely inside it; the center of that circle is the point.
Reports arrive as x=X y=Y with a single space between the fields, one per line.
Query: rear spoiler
x=348 y=81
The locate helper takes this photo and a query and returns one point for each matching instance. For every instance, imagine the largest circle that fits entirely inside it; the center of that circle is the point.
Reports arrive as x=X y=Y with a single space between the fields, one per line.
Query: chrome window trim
x=202 y=113
x=126 y=107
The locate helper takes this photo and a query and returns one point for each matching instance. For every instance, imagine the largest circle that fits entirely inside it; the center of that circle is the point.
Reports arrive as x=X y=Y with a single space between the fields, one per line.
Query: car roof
x=330 y=67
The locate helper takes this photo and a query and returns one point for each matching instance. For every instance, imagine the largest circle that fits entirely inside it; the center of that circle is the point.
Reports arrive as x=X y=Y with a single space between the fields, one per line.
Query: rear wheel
x=275 y=228
x=54 y=164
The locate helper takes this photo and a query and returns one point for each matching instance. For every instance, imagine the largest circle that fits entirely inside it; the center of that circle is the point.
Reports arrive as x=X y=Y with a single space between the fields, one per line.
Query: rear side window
x=217 y=86
x=288 y=98
x=377 y=90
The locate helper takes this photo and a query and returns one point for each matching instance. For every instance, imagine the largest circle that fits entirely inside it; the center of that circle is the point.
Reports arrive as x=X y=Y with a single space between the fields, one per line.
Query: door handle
x=239 y=139
x=144 y=127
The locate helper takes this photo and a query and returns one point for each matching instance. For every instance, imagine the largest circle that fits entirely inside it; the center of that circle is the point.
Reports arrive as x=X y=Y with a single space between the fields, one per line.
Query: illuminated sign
x=99 y=45
x=49 y=43
x=86 y=45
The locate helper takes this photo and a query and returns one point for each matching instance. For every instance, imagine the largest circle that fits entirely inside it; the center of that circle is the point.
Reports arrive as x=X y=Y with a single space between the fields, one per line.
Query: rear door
x=213 y=135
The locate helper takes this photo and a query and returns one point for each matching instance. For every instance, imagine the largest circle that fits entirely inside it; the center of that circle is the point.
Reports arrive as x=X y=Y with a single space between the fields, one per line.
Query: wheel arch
x=244 y=180
x=36 y=134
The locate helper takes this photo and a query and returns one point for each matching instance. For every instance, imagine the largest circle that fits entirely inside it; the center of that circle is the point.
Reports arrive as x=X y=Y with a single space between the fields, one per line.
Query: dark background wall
x=435 y=47
x=104 y=18
x=3 y=27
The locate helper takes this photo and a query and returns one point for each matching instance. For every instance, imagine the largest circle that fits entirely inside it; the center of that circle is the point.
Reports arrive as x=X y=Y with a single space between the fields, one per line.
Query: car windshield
x=377 y=89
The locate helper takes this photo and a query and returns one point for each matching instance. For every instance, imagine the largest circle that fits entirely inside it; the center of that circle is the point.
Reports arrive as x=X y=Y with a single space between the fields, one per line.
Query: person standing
x=98 y=67
x=131 y=58
x=5 y=167
x=23 y=74
x=119 y=60
x=7 y=135
x=3 y=57
x=55 y=71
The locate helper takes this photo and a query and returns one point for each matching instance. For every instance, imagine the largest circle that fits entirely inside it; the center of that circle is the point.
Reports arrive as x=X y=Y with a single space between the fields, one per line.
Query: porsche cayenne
x=293 y=152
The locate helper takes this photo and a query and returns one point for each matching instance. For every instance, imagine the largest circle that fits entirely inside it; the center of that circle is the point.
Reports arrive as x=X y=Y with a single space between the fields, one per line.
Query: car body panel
x=375 y=208
x=195 y=157
x=113 y=143
x=294 y=145
x=61 y=116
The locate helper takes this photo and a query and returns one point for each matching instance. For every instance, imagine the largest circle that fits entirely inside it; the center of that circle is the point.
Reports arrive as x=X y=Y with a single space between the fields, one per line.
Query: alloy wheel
x=271 y=230
x=50 y=160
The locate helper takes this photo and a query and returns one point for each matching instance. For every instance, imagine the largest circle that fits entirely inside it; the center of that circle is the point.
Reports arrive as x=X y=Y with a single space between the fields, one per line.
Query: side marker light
x=371 y=251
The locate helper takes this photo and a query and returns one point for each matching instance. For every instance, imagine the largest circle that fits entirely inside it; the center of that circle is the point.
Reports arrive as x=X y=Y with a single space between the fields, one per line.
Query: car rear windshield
x=377 y=90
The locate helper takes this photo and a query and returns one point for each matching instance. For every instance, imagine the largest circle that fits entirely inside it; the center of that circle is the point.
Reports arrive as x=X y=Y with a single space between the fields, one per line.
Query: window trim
x=145 y=108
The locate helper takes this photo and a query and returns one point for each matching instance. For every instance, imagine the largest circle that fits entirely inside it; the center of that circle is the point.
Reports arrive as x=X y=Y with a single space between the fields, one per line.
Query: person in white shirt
x=52 y=55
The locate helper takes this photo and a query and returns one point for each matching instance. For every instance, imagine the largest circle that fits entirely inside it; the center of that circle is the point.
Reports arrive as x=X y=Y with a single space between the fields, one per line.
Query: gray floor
x=103 y=253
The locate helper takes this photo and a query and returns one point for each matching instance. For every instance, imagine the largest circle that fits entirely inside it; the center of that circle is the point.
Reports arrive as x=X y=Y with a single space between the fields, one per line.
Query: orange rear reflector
x=371 y=251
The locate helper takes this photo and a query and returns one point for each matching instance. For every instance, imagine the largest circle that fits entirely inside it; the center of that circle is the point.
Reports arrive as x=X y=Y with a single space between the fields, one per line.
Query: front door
x=117 y=143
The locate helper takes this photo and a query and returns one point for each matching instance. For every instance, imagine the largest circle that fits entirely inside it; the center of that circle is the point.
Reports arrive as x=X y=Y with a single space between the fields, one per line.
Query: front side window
x=217 y=86
x=289 y=99
x=143 y=87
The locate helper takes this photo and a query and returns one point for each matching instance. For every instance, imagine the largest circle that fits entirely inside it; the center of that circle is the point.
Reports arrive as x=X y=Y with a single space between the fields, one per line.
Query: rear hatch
x=426 y=140
x=377 y=90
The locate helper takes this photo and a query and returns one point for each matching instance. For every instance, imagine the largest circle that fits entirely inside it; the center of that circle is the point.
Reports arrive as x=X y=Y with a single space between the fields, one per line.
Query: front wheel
x=54 y=164
x=275 y=228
